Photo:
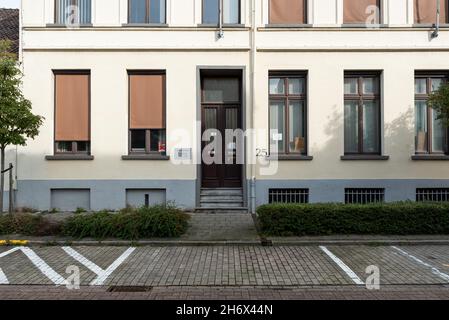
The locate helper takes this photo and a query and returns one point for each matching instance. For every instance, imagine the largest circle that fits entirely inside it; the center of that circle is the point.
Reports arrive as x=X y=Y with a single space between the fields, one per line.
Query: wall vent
x=288 y=196
x=364 y=195
x=432 y=194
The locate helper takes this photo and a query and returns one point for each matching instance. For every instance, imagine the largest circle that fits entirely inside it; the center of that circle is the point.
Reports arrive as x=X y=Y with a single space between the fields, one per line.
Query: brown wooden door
x=218 y=116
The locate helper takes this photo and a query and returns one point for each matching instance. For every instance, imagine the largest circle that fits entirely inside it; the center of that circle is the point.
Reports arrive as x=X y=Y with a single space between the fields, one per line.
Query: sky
x=9 y=3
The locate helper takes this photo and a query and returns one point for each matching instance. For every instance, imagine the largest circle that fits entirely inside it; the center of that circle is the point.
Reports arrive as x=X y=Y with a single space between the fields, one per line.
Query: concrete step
x=221 y=192
x=222 y=198
x=228 y=210
x=221 y=204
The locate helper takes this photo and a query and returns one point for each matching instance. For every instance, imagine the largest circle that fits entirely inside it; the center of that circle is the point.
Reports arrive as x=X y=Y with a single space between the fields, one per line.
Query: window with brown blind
x=147 y=112
x=426 y=11
x=362 y=12
x=288 y=11
x=72 y=112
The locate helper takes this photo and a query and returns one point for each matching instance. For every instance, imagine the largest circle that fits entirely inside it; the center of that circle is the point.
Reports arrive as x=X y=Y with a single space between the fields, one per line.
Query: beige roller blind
x=287 y=11
x=426 y=11
x=72 y=107
x=355 y=11
x=147 y=101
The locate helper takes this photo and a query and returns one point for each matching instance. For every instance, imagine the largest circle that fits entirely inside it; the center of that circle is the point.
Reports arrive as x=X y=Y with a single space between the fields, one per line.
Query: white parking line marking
x=434 y=270
x=43 y=266
x=3 y=278
x=351 y=274
x=102 y=275
x=4 y=254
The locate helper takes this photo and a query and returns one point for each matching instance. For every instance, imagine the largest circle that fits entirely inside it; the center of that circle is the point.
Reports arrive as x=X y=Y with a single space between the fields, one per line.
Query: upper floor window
x=288 y=11
x=287 y=93
x=147 y=11
x=72 y=112
x=364 y=12
x=426 y=11
x=430 y=134
x=227 y=10
x=362 y=113
x=73 y=11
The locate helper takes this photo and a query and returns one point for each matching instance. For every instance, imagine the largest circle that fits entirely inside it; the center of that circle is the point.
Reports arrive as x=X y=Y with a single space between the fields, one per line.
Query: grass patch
x=402 y=218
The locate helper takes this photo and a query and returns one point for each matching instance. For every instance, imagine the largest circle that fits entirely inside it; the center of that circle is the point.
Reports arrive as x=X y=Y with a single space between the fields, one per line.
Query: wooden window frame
x=306 y=16
x=381 y=16
x=147 y=150
x=147 y=14
x=361 y=98
x=73 y=3
x=74 y=143
x=285 y=75
x=424 y=97
x=218 y=13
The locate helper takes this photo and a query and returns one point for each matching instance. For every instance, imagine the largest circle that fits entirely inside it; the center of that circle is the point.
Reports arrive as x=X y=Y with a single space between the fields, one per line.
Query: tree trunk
x=2 y=178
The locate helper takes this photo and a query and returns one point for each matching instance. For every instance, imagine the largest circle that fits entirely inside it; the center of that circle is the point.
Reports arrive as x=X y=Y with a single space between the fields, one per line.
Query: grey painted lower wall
x=6 y=200
x=104 y=194
x=334 y=190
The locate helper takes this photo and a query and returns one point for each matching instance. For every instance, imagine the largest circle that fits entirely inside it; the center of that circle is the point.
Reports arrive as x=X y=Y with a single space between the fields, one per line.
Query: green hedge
x=403 y=218
x=151 y=222
x=28 y=225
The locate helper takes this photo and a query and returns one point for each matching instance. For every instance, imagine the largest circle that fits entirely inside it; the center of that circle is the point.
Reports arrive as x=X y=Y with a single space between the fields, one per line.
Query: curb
x=386 y=242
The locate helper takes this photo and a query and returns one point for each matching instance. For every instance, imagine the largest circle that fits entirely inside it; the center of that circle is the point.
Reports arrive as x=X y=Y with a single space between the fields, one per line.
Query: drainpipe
x=436 y=32
x=220 y=20
x=252 y=94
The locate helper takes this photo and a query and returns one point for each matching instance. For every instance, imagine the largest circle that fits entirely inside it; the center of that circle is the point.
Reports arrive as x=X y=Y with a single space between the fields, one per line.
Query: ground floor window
x=364 y=195
x=288 y=196
x=432 y=194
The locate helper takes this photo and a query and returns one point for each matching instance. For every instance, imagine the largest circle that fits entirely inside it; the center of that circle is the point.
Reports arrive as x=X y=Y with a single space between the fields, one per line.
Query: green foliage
x=28 y=225
x=145 y=222
x=402 y=218
x=439 y=101
x=80 y=210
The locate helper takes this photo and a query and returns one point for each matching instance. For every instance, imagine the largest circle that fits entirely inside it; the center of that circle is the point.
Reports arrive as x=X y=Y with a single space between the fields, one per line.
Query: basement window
x=364 y=195
x=288 y=196
x=432 y=194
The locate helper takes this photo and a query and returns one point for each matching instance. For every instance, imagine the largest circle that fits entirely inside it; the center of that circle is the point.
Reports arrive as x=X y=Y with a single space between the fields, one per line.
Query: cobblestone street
x=225 y=272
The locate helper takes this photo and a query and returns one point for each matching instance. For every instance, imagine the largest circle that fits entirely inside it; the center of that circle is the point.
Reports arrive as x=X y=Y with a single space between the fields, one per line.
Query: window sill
x=59 y=25
x=225 y=26
x=142 y=157
x=288 y=25
x=289 y=157
x=429 y=25
x=429 y=157
x=70 y=157
x=145 y=25
x=363 y=157
x=364 y=26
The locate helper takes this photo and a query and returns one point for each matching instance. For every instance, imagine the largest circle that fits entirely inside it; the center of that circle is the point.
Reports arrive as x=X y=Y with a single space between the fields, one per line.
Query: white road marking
x=102 y=275
x=43 y=266
x=4 y=254
x=3 y=278
x=434 y=270
x=351 y=274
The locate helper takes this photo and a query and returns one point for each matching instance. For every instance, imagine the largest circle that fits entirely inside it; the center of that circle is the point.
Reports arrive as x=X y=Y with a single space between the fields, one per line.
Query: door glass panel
x=210 y=121
x=295 y=86
x=277 y=86
x=277 y=130
x=232 y=118
x=421 y=126
x=438 y=135
x=231 y=11
x=137 y=11
x=351 y=127
x=421 y=86
x=221 y=90
x=351 y=86
x=370 y=127
x=157 y=11
x=297 y=141
x=210 y=11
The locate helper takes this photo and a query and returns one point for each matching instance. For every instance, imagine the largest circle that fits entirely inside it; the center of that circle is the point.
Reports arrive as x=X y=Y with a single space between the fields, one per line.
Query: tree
x=17 y=122
x=439 y=101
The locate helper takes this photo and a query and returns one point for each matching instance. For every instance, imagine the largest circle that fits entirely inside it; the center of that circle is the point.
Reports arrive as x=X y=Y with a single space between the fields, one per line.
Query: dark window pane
x=157 y=11
x=210 y=11
x=370 y=86
x=64 y=146
x=137 y=11
x=158 y=141
x=297 y=137
x=371 y=127
x=83 y=146
x=277 y=126
x=438 y=134
x=221 y=90
x=421 y=126
x=138 y=140
x=351 y=127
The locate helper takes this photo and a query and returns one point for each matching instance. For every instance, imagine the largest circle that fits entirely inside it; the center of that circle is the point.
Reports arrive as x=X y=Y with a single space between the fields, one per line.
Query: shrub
x=28 y=225
x=402 y=218
x=130 y=224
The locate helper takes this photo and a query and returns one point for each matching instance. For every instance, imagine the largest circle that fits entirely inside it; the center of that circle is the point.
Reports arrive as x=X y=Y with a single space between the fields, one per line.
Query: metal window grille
x=432 y=194
x=364 y=195
x=289 y=196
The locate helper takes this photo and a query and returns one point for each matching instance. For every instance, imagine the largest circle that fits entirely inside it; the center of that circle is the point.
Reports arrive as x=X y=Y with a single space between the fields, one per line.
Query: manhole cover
x=129 y=289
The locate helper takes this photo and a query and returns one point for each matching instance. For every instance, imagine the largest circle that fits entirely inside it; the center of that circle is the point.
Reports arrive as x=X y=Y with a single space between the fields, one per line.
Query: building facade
x=329 y=94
